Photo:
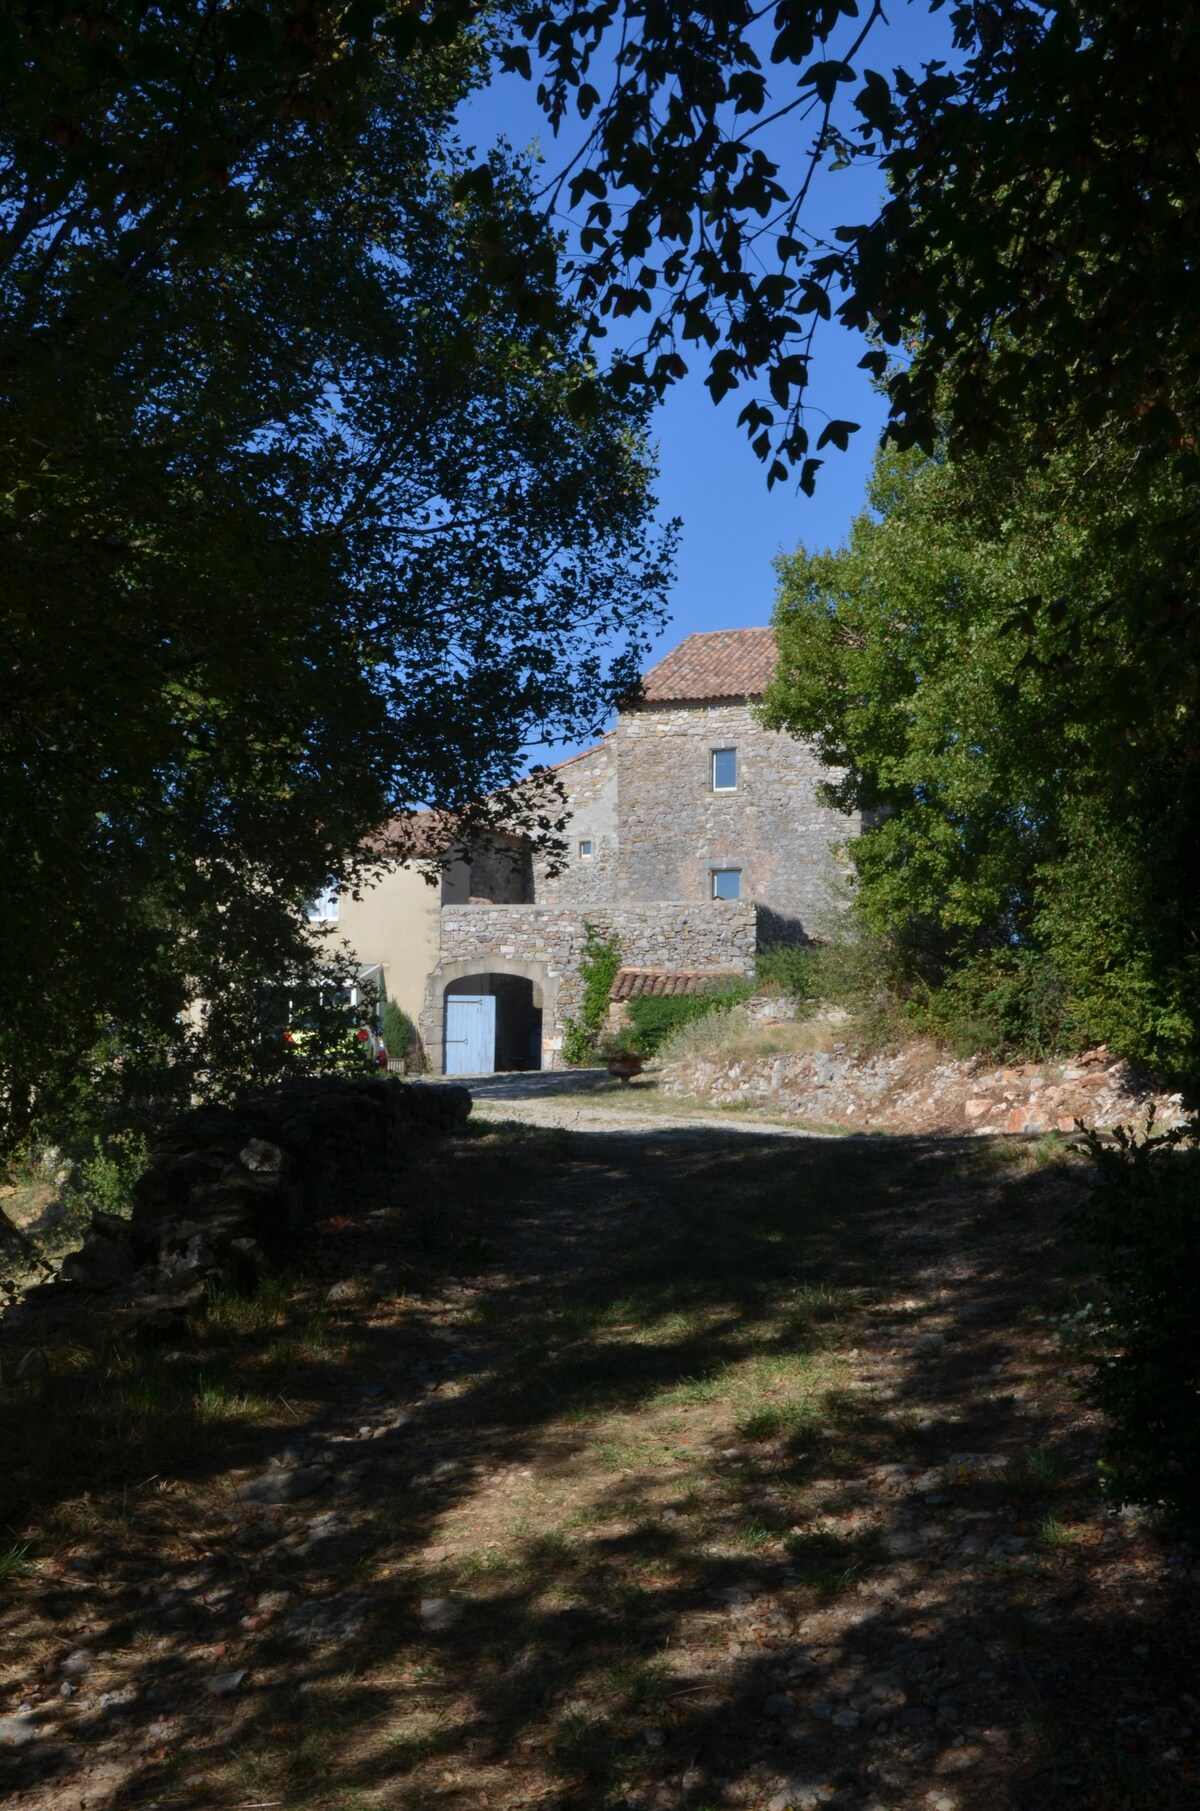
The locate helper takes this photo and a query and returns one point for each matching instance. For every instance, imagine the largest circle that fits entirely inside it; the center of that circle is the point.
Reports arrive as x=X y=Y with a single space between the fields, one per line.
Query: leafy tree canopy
x=305 y=522
x=1033 y=258
x=1031 y=796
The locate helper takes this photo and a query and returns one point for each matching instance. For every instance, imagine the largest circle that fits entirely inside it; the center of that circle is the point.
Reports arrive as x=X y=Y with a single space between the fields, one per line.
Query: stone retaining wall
x=919 y=1089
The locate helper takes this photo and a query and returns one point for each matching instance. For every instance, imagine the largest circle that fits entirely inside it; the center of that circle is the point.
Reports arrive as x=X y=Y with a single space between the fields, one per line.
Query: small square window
x=324 y=908
x=727 y=883
x=586 y=849
x=724 y=770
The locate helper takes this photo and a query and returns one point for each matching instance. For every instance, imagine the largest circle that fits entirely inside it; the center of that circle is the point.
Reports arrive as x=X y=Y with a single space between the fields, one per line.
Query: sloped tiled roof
x=633 y=981
x=726 y=663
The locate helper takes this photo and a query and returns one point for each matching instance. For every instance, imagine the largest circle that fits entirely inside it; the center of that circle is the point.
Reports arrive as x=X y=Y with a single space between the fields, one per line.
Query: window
x=324 y=908
x=585 y=849
x=724 y=770
x=727 y=883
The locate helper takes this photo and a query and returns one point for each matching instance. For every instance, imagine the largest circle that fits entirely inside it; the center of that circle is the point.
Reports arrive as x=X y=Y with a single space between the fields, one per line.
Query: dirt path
x=625 y=1466
x=588 y=1100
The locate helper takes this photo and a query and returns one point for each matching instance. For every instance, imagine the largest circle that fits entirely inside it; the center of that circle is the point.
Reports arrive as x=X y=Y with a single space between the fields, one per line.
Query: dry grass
x=732 y=1035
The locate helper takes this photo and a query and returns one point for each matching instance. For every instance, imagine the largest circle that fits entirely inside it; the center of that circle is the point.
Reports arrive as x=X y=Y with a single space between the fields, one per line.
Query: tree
x=317 y=507
x=1034 y=246
x=1030 y=864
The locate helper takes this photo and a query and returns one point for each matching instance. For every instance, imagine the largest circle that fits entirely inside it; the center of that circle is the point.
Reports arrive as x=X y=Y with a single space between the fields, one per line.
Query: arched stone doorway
x=491 y=1021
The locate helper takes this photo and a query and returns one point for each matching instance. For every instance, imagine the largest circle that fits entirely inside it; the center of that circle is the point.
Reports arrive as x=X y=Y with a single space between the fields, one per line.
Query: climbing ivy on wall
x=598 y=965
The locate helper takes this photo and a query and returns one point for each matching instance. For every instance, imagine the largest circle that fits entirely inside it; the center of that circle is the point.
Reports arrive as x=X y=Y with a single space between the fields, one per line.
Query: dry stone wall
x=228 y=1189
x=919 y=1089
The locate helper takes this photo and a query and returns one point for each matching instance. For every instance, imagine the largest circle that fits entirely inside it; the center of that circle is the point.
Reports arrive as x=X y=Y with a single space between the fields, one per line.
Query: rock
x=732 y=1595
x=779 y=1704
x=928 y=1344
x=964 y=1466
x=285 y=1486
x=821 y=1711
x=100 y=1263
x=328 y=1619
x=223 y=1685
x=261 y=1157
x=270 y=1603
x=653 y=1738
x=18 y=1731
x=33 y=1367
x=352 y=1476
x=439 y=1614
x=845 y=1719
x=1007 y=1546
x=895 y=1478
x=903 y=1543
x=803 y=1795
x=79 y=1662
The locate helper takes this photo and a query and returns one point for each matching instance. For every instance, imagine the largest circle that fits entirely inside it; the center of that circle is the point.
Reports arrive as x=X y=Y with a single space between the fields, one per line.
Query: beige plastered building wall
x=396 y=923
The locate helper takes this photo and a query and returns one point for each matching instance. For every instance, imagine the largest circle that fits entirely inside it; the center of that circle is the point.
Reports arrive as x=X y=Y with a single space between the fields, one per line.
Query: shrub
x=789 y=968
x=107 y=1175
x=578 y=1045
x=656 y=1017
x=1143 y=1341
x=399 y=1032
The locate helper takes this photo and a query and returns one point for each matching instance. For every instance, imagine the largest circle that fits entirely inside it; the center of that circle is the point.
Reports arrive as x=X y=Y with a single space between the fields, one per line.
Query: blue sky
x=733 y=527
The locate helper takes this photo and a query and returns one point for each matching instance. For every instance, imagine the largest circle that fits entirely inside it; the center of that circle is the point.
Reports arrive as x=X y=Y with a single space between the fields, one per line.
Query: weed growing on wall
x=598 y=965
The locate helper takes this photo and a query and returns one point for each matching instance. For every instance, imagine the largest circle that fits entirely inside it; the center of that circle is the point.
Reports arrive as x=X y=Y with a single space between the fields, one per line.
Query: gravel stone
x=439 y=1614
x=18 y=1731
x=285 y=1486
x=223 y=1685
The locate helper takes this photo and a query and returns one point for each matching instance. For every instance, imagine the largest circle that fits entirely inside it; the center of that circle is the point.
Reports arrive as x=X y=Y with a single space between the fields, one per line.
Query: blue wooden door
x=470 y=1034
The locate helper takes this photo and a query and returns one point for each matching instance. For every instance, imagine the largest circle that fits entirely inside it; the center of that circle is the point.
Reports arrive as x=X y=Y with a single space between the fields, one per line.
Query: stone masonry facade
x=543 y=944
x=675 y=829
x=648 y=827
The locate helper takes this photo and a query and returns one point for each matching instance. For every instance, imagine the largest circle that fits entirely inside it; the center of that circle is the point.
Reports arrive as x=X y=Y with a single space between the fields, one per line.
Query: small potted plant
x=622 y=1058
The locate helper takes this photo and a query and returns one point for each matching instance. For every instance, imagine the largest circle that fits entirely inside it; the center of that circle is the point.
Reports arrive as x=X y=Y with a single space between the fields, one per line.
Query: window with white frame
x=724 y=770
x=727 y=883
x=587 y=848
x=323 y=908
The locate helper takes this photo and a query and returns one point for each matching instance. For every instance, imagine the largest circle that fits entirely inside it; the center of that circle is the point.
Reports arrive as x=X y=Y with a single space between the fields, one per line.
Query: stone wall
x=590 y=783
x=544 y=944
x=674 y=829
x=920 y=1089
x=229 y=1188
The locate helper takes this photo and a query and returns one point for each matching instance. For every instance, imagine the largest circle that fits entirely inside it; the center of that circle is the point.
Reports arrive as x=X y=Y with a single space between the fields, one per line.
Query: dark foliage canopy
x=304 y=527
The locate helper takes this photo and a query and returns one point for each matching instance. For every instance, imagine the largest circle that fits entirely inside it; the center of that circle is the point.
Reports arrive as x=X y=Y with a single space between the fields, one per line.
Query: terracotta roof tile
x=631 y=982
x=727 y=663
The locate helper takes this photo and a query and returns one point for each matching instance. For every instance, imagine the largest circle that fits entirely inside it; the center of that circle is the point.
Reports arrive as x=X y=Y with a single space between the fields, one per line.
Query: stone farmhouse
x=695 y=837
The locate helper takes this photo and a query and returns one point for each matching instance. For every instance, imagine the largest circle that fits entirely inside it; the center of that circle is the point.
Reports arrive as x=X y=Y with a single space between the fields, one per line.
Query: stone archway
x=492 y=973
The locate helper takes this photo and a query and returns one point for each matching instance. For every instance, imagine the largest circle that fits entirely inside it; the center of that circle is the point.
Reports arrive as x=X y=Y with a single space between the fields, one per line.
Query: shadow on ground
x=647 y=1468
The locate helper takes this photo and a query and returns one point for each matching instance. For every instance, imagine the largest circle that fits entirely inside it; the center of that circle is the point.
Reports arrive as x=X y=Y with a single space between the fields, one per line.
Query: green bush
x=656 y=1016
x=399 y=1032
x=789 y=968
x=579 y=1045
x=1143 y=1340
